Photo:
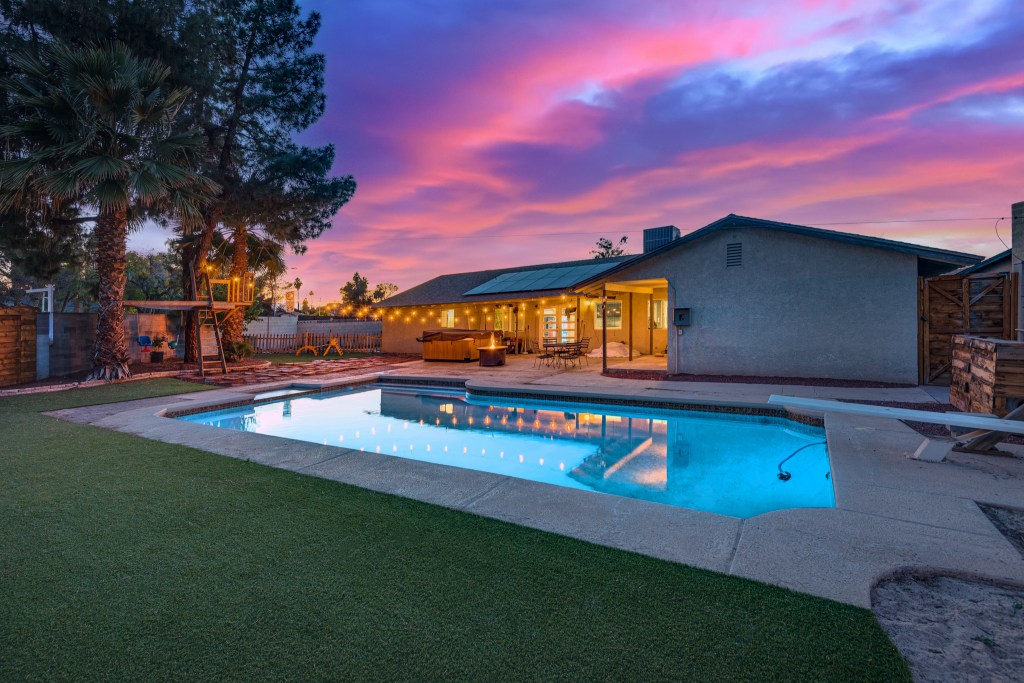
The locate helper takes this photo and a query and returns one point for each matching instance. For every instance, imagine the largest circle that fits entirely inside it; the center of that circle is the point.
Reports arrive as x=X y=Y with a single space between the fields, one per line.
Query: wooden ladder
x=209 y=361
x=208 y=316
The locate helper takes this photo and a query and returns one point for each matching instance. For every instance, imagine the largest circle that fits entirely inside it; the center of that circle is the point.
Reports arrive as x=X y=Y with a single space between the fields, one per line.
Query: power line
x=496 y=234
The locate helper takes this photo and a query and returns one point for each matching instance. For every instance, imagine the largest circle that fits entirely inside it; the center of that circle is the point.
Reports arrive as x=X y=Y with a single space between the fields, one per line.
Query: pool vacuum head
x=784 y=476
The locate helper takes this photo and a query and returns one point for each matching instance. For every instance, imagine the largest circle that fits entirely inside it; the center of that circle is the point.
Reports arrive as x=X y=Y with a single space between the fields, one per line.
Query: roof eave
x=942 y=256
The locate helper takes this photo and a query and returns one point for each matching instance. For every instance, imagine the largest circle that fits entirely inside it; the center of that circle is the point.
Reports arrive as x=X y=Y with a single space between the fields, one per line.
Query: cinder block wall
x=150 y=325
x=283 y=324
x=74 y=335
x=73 y=338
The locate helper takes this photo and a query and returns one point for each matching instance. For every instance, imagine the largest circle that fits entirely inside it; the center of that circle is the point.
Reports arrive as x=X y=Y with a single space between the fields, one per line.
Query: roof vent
x=734 y=255
x=658 y=237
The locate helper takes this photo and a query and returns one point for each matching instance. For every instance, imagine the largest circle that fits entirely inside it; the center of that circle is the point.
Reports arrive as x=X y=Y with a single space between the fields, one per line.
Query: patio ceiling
x=646 y=286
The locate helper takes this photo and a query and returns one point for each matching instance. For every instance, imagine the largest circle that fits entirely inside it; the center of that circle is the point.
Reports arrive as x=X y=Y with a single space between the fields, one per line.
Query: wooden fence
x=17 y=345
x=290 y=343
x=977 y=305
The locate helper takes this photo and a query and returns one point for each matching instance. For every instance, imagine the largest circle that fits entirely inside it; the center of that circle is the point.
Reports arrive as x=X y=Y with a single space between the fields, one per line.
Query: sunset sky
x=491 y=134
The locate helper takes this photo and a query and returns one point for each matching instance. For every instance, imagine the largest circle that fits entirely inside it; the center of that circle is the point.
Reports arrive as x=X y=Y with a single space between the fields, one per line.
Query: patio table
x=563 y=352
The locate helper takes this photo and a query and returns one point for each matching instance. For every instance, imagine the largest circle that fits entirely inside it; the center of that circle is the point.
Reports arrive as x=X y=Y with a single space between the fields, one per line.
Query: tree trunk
x=110 y=354
x=193 y=261
x=234 y=326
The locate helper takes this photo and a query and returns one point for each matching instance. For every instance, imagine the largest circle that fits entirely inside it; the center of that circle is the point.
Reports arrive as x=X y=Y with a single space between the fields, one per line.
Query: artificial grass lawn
x=278 y=358
x=122 y=558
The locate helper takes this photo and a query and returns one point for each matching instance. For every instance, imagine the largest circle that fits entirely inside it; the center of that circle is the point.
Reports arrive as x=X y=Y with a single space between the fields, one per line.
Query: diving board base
x=933 y=450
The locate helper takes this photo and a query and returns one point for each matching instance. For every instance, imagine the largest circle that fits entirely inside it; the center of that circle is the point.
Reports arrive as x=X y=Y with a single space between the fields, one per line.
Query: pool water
x=723 y=463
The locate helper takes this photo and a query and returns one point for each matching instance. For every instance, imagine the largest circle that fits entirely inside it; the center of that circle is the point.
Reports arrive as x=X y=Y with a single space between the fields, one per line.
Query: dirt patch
x=954 y=629
x=1009 y=521
x=748 y=379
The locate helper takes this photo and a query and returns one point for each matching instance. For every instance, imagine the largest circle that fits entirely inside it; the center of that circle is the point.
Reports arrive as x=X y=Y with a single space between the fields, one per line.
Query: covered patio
x=630 y=323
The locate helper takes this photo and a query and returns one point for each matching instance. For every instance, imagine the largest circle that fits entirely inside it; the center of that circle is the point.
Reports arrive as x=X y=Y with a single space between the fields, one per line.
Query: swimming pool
x=730 y=464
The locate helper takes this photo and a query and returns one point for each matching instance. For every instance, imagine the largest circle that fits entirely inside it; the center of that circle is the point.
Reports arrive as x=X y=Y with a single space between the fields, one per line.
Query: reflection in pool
x=723 y=463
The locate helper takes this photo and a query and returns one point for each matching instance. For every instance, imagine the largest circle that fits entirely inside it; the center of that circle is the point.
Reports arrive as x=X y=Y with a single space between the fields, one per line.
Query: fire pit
x=492 y=355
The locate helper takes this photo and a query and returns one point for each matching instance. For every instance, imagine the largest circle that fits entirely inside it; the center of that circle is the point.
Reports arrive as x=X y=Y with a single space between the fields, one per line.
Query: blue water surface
x=722 y=463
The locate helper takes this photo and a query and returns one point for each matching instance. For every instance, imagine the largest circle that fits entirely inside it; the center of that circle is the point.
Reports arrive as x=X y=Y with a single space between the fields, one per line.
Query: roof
x=568 y=275
x=454 y=287
x=981 y=265
x=930 y=254
x=542 y=279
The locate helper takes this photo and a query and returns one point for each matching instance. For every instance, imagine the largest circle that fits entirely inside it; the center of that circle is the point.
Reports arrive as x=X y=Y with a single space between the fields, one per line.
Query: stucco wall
x=798 y=307
x=402 y=326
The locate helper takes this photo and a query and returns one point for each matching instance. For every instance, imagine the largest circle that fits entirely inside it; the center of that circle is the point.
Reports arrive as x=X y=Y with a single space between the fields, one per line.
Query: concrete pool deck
x=891 y=512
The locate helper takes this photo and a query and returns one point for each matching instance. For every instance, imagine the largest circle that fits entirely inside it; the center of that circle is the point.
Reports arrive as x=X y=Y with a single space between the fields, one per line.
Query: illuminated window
x=659 y=314
x=614 y=316
x=502 y=317
x=448 y=317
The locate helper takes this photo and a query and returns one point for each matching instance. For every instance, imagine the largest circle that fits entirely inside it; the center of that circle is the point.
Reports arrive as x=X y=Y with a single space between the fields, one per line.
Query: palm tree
x=94 y=128
x=297 y=284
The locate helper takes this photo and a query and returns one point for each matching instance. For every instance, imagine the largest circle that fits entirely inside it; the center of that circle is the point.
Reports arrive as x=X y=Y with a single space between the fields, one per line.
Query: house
x=740 y=296
x=999 y=263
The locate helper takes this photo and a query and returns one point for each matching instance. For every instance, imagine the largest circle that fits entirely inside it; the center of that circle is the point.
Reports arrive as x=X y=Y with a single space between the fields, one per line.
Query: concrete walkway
x=891 y=512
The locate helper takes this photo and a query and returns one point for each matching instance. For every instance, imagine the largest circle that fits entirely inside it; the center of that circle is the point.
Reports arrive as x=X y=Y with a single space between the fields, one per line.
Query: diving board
x=934 y=450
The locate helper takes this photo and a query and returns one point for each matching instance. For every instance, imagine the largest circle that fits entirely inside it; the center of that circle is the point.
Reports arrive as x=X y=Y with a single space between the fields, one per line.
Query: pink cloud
x=471 y=129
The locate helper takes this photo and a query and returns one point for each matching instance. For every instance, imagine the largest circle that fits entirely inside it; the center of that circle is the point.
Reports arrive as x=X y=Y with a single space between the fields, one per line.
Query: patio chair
x=567 y=354
x=548 y=356
x=583 y=348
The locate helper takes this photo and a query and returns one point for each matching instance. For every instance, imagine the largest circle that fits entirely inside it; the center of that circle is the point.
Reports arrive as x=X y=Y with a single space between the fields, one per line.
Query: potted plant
x=157 y=354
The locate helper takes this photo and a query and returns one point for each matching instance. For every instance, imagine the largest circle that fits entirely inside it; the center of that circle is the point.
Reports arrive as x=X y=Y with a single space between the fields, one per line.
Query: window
x=502 y=319
x=614 y=316
x=659 y=314
x=734 y=255
x=448 y=317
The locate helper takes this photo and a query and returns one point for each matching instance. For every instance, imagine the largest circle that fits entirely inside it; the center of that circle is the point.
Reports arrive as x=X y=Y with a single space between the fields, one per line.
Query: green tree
x=177 y=33
x=288 y=199
x=356 y=292
x=95 y=128
x=383 y=291
x=608 y=249
x=255 y=81
x=271 y=86
x=153 y=276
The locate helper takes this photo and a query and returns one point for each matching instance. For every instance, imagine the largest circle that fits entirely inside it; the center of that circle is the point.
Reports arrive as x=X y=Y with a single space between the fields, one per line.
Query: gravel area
x=954 y=629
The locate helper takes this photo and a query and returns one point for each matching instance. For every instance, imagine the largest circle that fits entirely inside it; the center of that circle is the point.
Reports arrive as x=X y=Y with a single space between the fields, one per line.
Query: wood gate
x=979 y=305
x=17 y=345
